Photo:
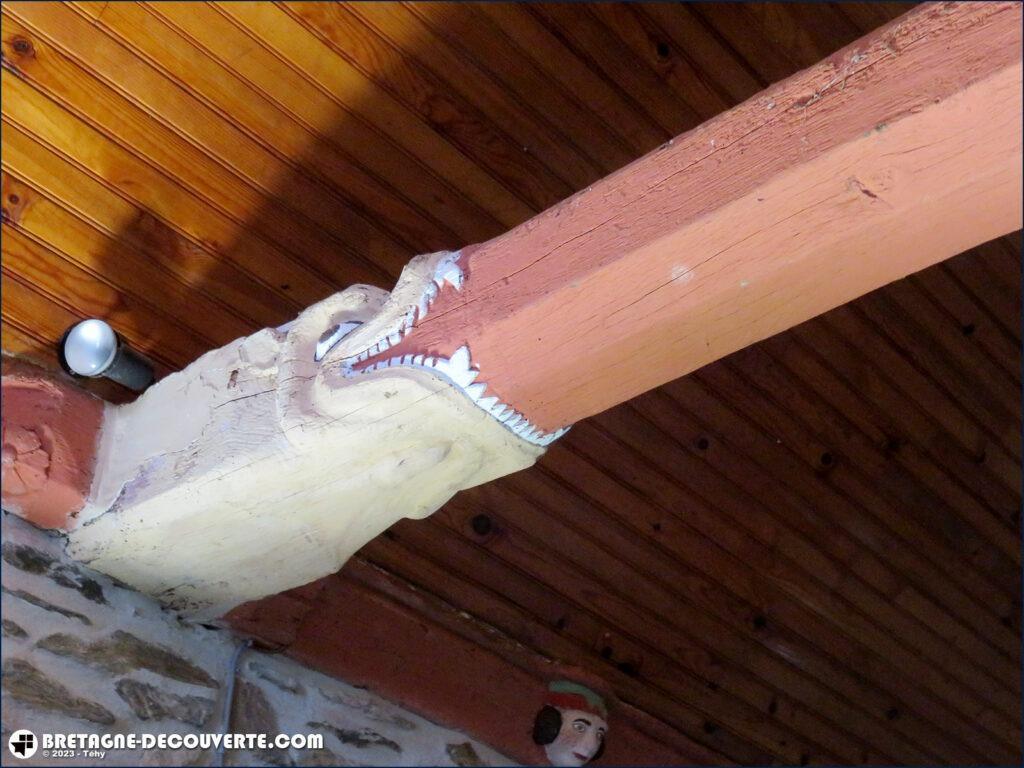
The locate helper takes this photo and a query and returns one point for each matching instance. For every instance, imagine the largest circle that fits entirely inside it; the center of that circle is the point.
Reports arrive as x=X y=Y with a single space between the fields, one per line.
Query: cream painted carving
x=267 y=463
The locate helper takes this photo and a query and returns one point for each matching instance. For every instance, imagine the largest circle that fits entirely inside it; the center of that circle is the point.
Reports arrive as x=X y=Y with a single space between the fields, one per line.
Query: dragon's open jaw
x=356 y=343
x=459 y=371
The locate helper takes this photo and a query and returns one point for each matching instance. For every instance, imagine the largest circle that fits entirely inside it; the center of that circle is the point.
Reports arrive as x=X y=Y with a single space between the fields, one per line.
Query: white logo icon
x=23 y=744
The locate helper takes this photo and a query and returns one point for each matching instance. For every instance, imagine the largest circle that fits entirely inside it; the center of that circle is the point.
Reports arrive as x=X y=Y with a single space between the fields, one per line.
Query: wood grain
x=337 y=76
x=378 y=174
x=192 y=111
x=691 y=548
x=646 y=280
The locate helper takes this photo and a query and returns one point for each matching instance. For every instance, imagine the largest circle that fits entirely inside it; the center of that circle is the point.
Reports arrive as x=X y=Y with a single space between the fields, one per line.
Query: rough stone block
x=27 y=684
x=150 y=703
x=464 y=754
x=32 y=560
x=124 y=652
x=82 y=653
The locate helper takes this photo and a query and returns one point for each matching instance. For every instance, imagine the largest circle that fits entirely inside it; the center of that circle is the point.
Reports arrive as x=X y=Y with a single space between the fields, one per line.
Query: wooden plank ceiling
x=806 y=552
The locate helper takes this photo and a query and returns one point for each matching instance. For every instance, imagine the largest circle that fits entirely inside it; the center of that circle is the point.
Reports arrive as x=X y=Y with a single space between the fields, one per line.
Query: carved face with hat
x=571 y=725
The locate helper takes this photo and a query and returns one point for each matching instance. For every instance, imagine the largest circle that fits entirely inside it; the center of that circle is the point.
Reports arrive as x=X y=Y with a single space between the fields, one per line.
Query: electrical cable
x=229 y=696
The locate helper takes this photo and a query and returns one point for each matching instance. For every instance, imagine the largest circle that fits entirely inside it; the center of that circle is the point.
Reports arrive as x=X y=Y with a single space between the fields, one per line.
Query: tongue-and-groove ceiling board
x=808 y=551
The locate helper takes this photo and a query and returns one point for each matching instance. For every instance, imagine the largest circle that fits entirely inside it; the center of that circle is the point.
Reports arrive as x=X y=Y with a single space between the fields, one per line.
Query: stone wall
x=82 y=654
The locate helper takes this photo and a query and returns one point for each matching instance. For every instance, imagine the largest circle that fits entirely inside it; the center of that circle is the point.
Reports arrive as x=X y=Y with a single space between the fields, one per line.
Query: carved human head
x=572 y=724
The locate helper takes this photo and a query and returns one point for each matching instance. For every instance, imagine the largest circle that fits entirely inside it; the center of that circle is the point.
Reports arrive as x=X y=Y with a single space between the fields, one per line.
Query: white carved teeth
x=460 y=357
x=448 y=271
x=462 y=377
x=475 y=391
x=452 y=276
x=426 y=299
x=457 y=368
x=550 y=437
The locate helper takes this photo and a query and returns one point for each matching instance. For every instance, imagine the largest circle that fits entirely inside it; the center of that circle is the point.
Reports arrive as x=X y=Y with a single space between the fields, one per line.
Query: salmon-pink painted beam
x=899 y=151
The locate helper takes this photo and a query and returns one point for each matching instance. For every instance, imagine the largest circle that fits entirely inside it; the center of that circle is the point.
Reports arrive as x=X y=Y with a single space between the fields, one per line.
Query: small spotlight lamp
x=91 y=348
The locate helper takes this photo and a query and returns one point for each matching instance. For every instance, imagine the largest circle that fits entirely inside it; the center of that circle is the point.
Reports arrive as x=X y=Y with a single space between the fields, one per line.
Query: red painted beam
x=50 y=432
x=899 y=151
x=365 y=638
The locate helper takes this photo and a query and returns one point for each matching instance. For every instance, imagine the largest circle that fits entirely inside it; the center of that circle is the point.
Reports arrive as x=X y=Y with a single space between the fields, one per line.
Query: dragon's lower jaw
x=459 y=371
